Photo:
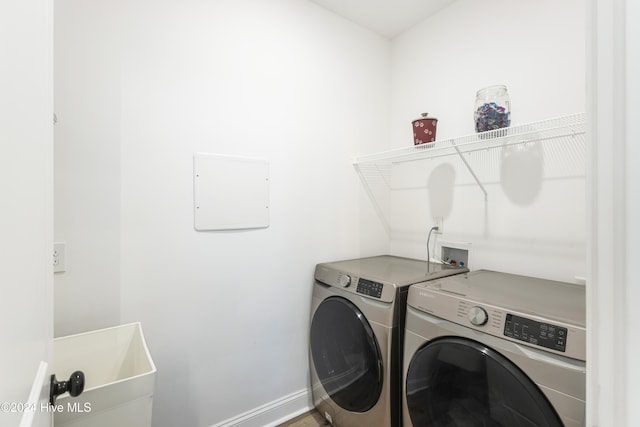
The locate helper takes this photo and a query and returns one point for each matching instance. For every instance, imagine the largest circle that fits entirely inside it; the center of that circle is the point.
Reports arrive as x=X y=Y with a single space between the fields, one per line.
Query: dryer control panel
x=370 y=288
x=537 y=333
x=349 y=283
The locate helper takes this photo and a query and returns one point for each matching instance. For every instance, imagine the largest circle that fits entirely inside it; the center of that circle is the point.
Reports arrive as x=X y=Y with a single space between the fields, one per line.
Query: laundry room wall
x=143 y=85
x=528 y=225
x=87 y=168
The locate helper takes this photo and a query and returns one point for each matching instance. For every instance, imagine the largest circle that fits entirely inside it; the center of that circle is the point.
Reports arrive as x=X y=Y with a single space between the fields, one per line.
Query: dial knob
x=478 y=316
x=344 y=280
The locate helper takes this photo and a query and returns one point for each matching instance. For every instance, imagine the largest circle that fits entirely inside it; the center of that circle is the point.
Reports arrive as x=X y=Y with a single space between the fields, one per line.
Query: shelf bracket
x=471 y=171
x=375 y=199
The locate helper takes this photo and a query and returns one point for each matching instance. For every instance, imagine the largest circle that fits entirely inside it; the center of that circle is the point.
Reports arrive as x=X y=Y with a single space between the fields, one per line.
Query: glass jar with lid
x=492 y=108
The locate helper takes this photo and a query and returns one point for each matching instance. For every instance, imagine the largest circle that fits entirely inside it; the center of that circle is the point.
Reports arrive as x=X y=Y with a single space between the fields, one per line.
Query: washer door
x=346 y=355
x=459 y=382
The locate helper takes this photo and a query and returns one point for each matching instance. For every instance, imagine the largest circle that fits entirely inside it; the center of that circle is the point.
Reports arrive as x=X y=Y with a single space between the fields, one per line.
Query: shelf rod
x=471 y=171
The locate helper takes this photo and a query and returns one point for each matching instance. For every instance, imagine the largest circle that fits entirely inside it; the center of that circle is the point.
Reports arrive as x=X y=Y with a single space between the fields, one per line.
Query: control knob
x=478 y=316
x=344 y=280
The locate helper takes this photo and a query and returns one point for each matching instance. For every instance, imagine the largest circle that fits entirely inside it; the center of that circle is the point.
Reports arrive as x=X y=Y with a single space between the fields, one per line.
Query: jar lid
x=424 y=116
x=497 y=89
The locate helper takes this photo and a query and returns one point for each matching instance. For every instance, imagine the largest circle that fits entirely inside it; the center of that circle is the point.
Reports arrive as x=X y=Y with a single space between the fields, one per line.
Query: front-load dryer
x=357 y=319
x=494 y=349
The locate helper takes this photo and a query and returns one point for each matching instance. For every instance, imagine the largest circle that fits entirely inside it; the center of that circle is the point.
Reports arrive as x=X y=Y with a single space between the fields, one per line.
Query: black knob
x=75 y=386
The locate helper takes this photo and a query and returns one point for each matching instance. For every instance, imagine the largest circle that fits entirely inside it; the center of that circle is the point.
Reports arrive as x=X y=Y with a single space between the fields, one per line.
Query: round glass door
x=346 y=355
x=460 y=382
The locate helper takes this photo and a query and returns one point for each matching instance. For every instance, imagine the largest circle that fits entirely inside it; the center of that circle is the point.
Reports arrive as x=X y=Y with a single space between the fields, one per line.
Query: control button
x=477 y=316
x=344 y=280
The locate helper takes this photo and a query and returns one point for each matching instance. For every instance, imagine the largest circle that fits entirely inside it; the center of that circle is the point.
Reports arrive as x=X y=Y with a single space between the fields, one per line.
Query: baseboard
x=273 y=413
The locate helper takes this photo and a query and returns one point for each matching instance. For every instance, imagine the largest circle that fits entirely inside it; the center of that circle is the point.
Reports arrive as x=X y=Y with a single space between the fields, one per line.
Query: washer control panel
x=370 y=288
x=507 y=307
x=537 y=333
x=513 y=326
x=560 y=338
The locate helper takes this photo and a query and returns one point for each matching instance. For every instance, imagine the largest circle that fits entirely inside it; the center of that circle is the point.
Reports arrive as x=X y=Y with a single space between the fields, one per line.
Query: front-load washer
x=494 y=349
x=357 y=319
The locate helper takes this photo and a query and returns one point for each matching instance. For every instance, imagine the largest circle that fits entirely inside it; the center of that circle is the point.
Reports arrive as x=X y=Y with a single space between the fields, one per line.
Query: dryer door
x=455 y=381
x=346 y=355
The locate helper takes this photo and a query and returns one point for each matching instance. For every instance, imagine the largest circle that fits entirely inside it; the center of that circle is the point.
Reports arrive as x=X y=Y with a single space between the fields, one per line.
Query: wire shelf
x=557 y=144
x=547 y=130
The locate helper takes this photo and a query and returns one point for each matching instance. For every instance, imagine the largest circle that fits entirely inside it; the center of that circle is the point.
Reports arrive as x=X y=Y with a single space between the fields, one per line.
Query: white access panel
x=230 y=192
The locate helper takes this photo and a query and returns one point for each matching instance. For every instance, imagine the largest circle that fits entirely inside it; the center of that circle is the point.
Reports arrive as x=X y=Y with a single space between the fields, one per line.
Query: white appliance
x=494 y=349
x=356 y=330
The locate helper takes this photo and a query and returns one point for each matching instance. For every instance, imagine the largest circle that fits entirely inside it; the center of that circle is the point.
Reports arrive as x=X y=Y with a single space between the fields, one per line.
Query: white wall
x=539 y=22
x=143 y=85
x=26 y=194
x=530 y=224
x=87 y=165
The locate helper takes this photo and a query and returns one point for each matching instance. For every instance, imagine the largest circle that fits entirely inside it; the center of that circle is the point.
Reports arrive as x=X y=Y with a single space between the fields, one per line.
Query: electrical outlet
x=59 y=257
x=440 y=224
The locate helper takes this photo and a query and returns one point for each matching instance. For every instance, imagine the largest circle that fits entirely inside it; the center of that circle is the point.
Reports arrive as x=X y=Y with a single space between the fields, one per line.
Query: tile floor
x=310 y=419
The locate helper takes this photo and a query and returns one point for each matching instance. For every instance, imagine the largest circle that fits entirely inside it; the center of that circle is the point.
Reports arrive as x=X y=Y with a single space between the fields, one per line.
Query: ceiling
x=385 y=17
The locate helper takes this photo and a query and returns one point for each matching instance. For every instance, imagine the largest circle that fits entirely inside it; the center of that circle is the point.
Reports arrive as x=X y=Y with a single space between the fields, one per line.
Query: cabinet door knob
x=74 y=385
